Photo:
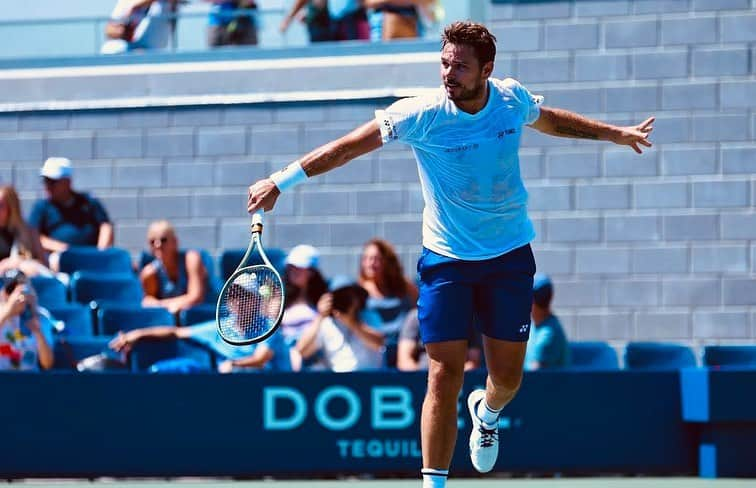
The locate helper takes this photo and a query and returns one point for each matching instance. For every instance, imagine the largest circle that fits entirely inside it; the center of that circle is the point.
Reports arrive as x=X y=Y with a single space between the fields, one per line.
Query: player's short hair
x=471 y=34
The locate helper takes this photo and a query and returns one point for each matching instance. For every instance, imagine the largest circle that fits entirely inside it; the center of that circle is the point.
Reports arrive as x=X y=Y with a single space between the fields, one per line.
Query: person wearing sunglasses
x=175 y=278
x=67 y=217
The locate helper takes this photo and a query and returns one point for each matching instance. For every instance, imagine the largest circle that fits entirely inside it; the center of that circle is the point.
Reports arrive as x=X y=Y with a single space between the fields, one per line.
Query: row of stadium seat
x=652 y=355
x=586 y=356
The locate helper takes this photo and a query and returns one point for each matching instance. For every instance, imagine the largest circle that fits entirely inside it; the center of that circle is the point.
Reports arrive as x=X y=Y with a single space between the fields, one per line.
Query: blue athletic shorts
x=494 y=294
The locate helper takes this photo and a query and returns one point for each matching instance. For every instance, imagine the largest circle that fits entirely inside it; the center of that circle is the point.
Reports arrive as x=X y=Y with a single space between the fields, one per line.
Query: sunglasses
x=49 y=181
x=160 y=240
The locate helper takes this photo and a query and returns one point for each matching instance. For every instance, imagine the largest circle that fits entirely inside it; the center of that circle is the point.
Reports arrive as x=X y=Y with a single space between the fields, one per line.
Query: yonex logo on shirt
x=464 y=147
x=507 y=132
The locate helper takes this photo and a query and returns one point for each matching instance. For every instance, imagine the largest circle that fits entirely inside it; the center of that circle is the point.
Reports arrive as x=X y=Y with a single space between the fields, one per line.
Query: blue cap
x=543 y=290
x=541 y=280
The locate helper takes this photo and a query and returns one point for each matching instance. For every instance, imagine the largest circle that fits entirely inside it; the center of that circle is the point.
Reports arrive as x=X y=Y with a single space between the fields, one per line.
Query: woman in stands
x=390 y=294
x=20 y=247
x=304 y=286
x=175 y=279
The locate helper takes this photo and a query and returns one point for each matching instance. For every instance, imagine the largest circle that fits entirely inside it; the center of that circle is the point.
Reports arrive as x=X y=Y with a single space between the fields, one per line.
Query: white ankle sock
x=487 y=415
x=434 y=478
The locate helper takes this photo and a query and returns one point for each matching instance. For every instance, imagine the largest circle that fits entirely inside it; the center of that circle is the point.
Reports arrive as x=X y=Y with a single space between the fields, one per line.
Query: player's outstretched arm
x=362 y=140
x=563 y=123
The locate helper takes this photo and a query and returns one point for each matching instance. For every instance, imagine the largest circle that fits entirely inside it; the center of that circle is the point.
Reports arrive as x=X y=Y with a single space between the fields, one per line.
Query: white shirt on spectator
x=343 y=351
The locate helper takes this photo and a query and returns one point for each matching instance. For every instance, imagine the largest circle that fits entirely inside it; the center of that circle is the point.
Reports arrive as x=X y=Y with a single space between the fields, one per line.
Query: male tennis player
x=476 y=256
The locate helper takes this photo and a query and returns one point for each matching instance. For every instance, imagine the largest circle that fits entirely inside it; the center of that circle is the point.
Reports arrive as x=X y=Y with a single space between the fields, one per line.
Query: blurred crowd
x=150 y=24
x=340 y=323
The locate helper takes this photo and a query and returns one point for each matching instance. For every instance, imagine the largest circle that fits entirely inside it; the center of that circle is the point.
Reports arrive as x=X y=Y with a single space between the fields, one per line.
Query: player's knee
x=445 y=379
x=508 y=381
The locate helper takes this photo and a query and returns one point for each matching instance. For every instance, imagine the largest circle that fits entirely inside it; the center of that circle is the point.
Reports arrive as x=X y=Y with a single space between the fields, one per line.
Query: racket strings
x=251 y=304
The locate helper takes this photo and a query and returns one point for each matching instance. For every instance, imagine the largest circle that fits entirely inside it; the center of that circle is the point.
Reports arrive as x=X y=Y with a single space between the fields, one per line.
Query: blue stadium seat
x=741 y=356
x=593 y=356
x=69 y=351
x=86 y=258
x=50 y=291
x=77 y=319
x=147 y=353
x=199 y=313
x=651 y=355
x=230 y=259
x=122 y=288
x=112 y=318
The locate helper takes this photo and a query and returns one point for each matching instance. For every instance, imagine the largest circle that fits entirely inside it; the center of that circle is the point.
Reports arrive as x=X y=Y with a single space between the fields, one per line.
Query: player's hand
x=325 y=305
x=635 y=136
x=262 y=195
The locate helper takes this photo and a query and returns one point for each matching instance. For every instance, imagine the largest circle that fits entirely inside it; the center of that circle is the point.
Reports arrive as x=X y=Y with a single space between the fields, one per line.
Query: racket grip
x=257 y=221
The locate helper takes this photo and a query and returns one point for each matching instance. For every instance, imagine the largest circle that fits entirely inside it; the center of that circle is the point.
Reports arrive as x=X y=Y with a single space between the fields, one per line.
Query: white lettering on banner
x=391 y=408
x=354 y=408
x=273 y=422
x=400 y=407
x=378 y=448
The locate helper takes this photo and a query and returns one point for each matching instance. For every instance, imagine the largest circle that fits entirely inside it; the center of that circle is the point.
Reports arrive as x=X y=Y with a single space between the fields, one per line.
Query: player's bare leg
x=438 y=424
x=504 y=360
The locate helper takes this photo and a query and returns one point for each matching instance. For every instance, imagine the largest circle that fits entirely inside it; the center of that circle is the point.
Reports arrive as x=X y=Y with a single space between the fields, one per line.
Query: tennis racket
x=251 y=302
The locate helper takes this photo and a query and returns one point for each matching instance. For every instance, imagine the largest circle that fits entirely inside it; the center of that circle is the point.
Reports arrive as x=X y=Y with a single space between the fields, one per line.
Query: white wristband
x=289 y=177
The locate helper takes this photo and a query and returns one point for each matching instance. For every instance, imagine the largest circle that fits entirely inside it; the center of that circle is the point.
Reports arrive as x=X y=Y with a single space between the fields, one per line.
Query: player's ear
x=487 y=69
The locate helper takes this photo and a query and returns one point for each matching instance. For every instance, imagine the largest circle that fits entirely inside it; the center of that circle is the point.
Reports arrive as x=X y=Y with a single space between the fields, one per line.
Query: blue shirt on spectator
x=77 y=223
x=548 y=345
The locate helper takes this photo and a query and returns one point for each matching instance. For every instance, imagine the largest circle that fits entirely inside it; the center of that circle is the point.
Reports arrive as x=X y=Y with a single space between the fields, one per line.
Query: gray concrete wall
x=654 y=247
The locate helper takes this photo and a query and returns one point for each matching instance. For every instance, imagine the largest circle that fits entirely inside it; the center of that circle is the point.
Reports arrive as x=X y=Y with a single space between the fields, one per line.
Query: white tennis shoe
x=484 y=443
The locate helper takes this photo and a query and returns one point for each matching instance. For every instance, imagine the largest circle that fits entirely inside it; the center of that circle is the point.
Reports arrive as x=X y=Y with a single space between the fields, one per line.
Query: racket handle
x=257 y=221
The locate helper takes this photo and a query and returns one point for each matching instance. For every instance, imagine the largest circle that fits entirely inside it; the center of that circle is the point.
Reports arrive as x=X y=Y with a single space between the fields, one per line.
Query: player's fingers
x=636 y=148
x=647 y=122
x=645 y=142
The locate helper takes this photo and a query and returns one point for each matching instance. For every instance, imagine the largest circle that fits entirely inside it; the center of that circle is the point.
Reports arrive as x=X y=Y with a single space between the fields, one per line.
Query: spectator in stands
x=339 y=336
x=390 y=294
x=270 y=355
x=398 y=19
x=304 y=286
x=66 y=217
x=316 y=18
x=232 y=23
x=140 y=24
x=175 y=279
x=411 y=355
x=547 y=347
x=20 y=247
x=25 y=343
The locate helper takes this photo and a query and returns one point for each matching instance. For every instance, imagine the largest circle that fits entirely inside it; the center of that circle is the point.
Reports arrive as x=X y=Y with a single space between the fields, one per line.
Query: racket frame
x=254 y=242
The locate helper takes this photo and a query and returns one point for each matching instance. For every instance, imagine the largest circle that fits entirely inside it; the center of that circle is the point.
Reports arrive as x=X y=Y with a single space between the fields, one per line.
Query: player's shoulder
x=506 y=86
x=430 y=101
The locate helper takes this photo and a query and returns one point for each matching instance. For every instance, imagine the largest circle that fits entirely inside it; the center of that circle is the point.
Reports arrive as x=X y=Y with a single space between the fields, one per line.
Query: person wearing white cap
x=304 y=285
x=66 y=217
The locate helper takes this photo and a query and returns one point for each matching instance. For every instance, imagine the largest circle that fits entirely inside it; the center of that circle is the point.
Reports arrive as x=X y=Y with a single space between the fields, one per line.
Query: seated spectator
x=175 y=279
x=316 y=18
x=227 y=27
x=411 y=355
x=270 y=355
x=19 y=244
x=547 y=347
x=140 y=24
x=339 y=337
x=390 y=294
x=68 y=218
x=304 y=286
x=25 y=342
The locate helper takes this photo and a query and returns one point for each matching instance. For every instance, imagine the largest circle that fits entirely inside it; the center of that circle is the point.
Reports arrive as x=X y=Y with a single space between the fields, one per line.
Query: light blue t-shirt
x=338 y=9
x=207 y=333
x=475 y=200
x=548 y=345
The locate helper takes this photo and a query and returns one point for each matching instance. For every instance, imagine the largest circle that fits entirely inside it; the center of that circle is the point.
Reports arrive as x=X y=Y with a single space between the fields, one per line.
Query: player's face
x=463 y=76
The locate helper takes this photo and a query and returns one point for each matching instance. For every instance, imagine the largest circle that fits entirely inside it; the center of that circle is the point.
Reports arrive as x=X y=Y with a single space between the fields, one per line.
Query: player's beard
x=464 y=93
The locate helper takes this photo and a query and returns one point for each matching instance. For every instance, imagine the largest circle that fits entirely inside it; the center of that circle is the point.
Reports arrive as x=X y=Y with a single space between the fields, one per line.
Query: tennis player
x=476 y=257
